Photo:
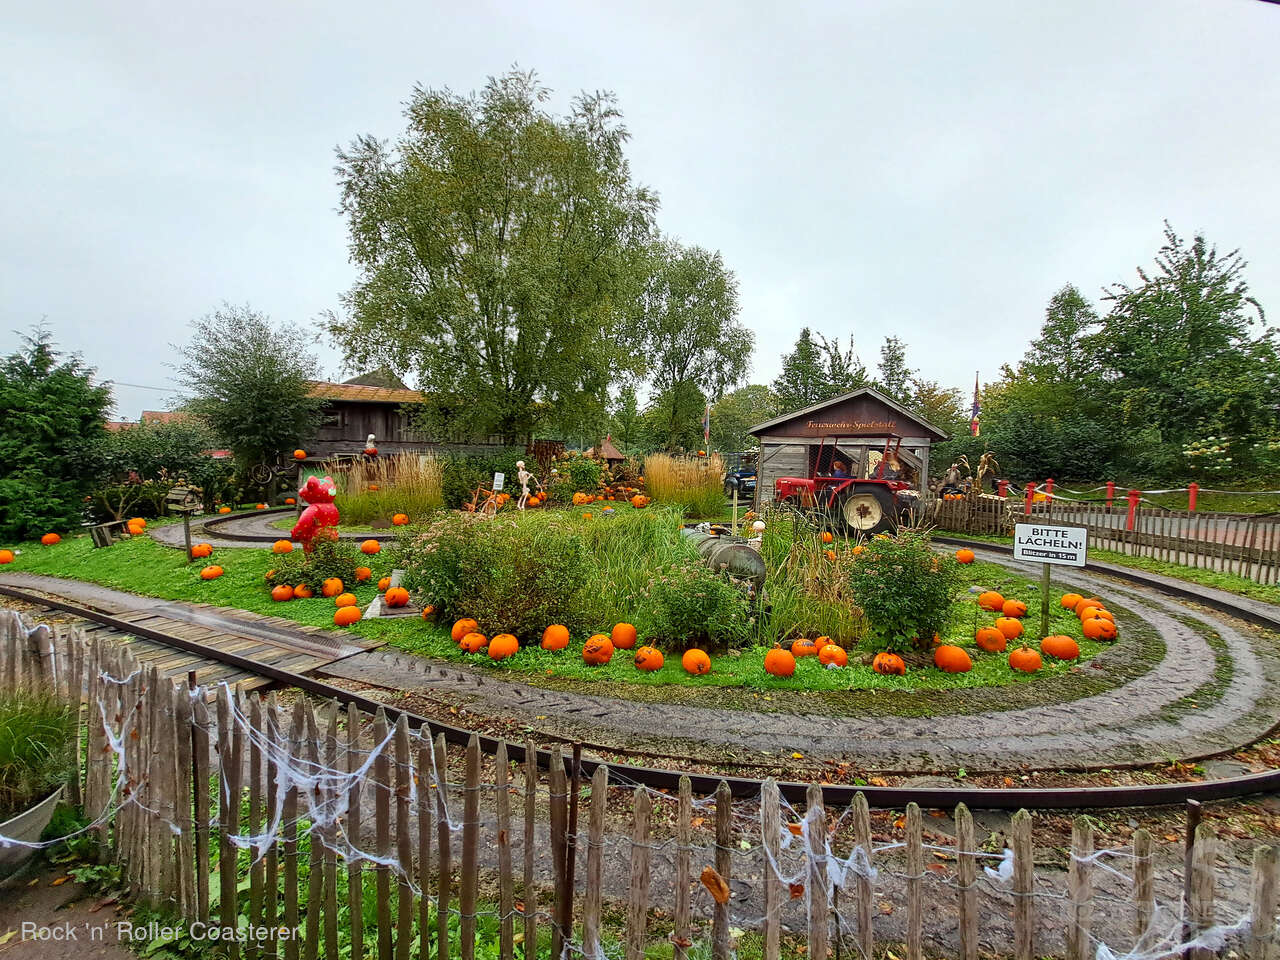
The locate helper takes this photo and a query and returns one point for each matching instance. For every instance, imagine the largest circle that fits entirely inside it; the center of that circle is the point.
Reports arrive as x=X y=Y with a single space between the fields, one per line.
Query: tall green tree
x=944 y=407
x=500 y=251
x=894 y=376
x=51 y=414
x=250 y=381
x=817 y=369
x=1185 y=353
x=1060 y=353
x=673 y=418
x=737 y=412
x=625 y=419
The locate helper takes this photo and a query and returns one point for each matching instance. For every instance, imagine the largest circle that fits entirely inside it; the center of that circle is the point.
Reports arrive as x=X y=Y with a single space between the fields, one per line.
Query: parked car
x=740 y=475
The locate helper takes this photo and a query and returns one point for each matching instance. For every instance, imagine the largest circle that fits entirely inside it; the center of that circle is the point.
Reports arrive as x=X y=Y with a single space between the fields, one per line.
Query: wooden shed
x=799 y=443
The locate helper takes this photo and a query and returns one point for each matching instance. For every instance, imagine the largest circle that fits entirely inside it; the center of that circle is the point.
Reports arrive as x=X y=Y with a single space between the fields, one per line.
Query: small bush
x=690 y=605
x=904 y=588
x=511 y=574
x=696 y=484
x=329 y=557
x=36 y=733
x=572 y=474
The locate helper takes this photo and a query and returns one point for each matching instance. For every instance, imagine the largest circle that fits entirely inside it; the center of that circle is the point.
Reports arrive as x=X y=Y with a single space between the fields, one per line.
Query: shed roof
x=920 y=426
x=364 y=393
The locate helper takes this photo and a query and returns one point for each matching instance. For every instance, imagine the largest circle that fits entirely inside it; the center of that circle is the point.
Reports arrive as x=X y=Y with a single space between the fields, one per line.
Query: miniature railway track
x=222 y=663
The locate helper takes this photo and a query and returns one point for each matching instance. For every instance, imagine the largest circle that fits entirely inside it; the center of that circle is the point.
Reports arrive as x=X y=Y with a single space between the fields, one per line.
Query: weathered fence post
x=1080 y=890
x=1024 y=874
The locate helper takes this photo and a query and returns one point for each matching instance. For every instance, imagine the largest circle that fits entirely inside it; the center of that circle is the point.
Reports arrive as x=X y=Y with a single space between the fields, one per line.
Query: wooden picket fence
x=1248 y=546
x=311 y=808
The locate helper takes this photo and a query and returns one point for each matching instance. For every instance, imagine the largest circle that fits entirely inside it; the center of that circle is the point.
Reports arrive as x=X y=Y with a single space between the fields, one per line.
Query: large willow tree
x=499 y=248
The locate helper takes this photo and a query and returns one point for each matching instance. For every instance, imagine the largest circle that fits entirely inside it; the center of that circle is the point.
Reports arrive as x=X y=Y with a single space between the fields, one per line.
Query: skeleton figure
x=987 y=467
x=524 y=476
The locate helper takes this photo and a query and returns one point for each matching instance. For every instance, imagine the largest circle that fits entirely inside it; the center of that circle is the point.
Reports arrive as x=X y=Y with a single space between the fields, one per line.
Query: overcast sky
x=930 y=170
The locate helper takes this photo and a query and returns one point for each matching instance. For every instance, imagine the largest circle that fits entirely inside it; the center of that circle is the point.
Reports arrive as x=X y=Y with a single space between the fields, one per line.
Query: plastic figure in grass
x=524 y=476
x=321 y=513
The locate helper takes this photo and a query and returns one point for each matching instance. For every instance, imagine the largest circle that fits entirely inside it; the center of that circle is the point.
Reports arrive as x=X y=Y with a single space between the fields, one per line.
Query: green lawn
x=142 y=566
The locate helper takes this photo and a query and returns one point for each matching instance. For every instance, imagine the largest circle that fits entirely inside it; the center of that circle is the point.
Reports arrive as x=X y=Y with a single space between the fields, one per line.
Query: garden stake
x=571 y=853
x=1044 y=601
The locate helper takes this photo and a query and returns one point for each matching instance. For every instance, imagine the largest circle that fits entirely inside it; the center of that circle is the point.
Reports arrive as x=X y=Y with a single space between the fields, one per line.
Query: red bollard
x=1111 y=493
x=1031 y=492
x=1048 y=489
x=1002 y=489
x=1134 y=496
x=1193 y=491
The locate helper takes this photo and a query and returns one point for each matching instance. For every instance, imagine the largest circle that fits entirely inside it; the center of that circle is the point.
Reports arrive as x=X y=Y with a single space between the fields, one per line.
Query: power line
x=143 y=386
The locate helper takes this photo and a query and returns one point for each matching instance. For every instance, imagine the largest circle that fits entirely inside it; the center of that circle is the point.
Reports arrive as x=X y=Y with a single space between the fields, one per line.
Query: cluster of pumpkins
x=348 y=611
x=782 y=663
x=631 y=495
x=953 y=496
x=596 y=651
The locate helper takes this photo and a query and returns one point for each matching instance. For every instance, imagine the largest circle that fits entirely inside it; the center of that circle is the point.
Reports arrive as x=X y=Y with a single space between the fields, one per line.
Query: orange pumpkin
x=429 y=612
x=804 y=648
x=6 y=556
x=623 y=636
x=1086 y=610
x=282 y=592
x=462 y=627
x=331 y=587
x=201 y=550
x=859 y=550
x=503 y=646
x=991 y=600
x=555 y=637
x=779 y=662
x=49 y=539
x=1014 y=608
x=299 y=454
x=373 y=487
x=965 y=555
x=830 y=555
x=138 y=521
x=832 y=654
x=474 y=642
x=1024 y=659
x=826 y=536
x=383 y=584
x=1060 y=647
x=282 y=546
x=598 y=650
x=370 y=547
x=1096 y=628
x=303 y=591
x=1104 y=614
x=648 y=659
x=224 y=509
x=396 y=597
x=696 y=661
x=400 y=519
x=290 y=502
x=951 y=659
x=261 y=506
x=1010 y=627
x=345 y=616
x=211 y=573
x=1069 y=600
x=991 y=640
x=889 y=663
x=345 y=600
x=363 y=574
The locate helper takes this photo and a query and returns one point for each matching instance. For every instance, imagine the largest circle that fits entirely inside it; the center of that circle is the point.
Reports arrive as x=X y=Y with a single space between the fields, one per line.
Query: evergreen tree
x=51 y=417
x=895 y=376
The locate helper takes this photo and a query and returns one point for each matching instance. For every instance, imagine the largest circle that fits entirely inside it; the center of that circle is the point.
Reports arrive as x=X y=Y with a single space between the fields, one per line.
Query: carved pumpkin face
x=889 y=663
x=598 y=650
x=648 y=659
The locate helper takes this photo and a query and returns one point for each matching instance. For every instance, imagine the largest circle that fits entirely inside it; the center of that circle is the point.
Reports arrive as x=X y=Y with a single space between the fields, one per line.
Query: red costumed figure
x=320 y=514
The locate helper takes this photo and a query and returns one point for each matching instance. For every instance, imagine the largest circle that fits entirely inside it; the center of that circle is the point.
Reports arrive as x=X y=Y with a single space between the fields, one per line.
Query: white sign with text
x=498 y=481
x=1045 y=543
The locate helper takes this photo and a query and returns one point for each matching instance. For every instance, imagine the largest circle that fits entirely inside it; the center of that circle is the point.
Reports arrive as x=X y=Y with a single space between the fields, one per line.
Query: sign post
x=1049 y=545
x=499 y=480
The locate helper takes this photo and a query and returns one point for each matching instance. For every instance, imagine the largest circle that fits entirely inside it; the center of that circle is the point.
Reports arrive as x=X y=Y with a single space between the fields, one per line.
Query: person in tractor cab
x=838 y=469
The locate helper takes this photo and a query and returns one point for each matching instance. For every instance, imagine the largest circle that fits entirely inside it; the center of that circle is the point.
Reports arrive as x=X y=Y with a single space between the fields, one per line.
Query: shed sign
x=1043 y=543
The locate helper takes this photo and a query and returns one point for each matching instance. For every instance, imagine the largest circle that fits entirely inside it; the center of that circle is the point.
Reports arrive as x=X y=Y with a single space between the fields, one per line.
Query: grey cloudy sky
x=930 y=170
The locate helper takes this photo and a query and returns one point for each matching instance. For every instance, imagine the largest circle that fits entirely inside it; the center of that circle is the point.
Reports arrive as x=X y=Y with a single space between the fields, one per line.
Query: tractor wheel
x=868 y=509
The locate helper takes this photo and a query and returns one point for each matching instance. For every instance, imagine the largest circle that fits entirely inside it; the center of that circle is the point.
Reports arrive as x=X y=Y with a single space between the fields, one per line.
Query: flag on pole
x=706 y=425
x=977 y=407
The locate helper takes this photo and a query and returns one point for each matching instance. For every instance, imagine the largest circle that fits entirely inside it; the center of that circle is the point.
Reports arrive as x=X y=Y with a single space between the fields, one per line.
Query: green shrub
x=690 y=605
x=36 y=733
x=329 y=557
x=905 y=590
x=511 y=574
x=575 y=472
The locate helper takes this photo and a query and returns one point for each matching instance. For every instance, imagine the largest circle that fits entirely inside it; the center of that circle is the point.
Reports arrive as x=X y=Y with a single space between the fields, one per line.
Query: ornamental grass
x=379 y=488
x=35 y=742
x=695 y=484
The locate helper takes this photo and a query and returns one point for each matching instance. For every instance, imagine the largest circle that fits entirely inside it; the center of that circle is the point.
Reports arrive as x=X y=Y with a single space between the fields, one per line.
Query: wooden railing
x=262 y=814
x=1247 y=546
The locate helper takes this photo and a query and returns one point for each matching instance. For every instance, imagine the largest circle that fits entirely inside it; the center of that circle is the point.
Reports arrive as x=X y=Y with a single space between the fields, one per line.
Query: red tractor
x=862 y=495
